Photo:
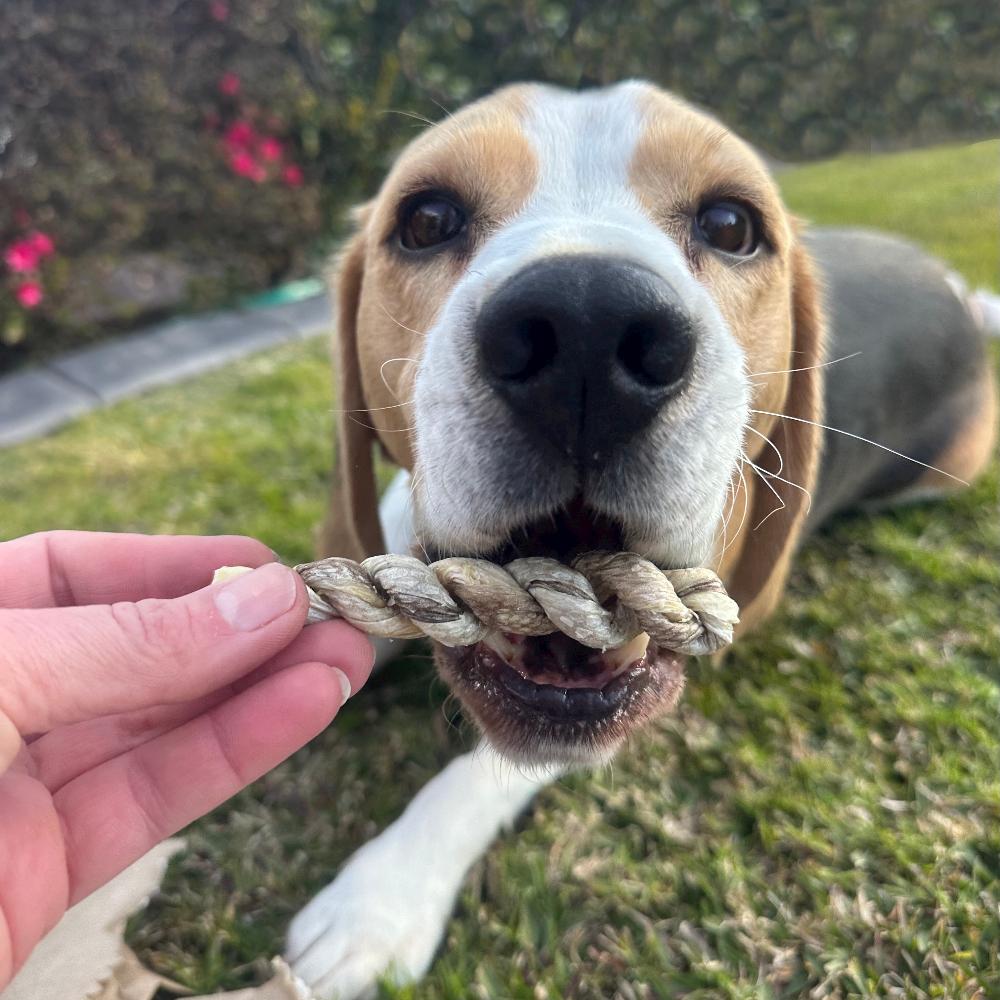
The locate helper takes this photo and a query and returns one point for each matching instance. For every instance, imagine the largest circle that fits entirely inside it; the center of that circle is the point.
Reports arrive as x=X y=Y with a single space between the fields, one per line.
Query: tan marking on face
x=685 y=158
x=479 y=155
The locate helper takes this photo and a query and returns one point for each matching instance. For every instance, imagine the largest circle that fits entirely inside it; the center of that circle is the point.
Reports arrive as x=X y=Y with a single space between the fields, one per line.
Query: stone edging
x=39 y=399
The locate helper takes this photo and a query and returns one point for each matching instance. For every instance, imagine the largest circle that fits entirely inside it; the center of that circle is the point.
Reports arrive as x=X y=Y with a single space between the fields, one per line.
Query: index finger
x=59 y=568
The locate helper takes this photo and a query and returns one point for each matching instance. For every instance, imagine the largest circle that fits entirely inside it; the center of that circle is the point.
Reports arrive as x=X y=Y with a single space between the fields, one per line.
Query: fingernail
x=345 y=683
x=253 y=600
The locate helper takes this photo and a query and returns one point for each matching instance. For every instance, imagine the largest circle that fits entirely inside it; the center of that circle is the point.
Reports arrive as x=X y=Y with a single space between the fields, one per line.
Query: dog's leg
x=387 y=909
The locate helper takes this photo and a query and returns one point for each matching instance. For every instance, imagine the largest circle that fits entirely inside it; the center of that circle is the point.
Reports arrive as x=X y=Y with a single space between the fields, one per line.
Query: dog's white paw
x=386 y=912
x=377 y=918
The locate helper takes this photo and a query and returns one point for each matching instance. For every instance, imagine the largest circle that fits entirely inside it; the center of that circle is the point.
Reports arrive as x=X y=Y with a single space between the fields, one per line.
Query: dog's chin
x=551 y=700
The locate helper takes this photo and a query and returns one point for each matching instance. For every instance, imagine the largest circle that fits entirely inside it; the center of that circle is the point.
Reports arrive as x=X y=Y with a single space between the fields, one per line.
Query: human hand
x=121 y=722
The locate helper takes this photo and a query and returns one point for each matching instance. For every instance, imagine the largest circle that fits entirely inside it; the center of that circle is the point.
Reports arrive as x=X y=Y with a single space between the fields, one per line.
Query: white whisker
x=768 y=441
x=381 y=430
x=808 y=368
x=408 y=114
x=374 y=409
x=402 y=326
x=763 y=473
x=746 y=508
x=447 y=113
x=864 y=440
x=776 y=510
x=777 y=495
x=411 y=491
x=731 y=488
x=381 y=372
x=731 y=495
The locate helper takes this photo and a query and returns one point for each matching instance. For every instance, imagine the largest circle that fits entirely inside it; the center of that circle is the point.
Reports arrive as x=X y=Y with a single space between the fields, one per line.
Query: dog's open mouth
x=550 y=698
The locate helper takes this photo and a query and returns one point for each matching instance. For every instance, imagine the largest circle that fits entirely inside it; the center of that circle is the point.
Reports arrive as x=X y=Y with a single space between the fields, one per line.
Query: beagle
x=586 y=320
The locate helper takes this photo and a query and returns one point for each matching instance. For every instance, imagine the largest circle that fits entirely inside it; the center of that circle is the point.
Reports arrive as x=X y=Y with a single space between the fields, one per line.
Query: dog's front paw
x=375 y=919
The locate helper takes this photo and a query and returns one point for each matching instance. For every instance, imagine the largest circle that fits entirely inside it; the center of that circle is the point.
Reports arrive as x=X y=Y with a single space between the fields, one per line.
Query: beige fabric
x=131 y=981
x=79 y=953
x=84 y=957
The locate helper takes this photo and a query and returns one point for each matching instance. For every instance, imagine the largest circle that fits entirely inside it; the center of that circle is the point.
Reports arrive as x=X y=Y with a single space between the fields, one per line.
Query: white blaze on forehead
x=584 y=143
x=583 y=200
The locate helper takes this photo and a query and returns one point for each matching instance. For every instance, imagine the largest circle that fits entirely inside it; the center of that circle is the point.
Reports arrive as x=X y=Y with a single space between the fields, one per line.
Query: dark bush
x=117 y=141
x=179 y=152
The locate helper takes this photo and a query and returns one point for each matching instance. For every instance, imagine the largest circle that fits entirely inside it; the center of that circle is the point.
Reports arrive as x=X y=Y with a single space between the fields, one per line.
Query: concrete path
x=39 y=399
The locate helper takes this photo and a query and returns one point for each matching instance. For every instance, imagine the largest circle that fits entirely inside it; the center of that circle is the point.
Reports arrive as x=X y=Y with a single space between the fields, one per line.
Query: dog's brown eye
x=429 y=222
x=728 y=227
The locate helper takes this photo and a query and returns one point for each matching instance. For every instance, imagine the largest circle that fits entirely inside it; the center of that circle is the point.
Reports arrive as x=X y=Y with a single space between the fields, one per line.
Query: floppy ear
x=351 y=527
x=759 y=576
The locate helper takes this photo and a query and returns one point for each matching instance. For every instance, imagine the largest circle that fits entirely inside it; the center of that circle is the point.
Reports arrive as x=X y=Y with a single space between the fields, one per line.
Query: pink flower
x=43 y=244
x=219 y=10
x=239 y=136
x=292 y=175
x=22 y=256
x=25 y=255
x=270 y=149
x=29 y=294
x=229 y=84
x=243 y=164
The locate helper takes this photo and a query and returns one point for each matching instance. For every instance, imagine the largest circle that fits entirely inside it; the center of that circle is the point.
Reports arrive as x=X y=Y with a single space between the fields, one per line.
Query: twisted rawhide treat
x=459 y=601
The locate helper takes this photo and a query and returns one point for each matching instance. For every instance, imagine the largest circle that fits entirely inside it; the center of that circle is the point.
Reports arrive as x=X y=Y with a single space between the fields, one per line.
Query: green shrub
x=116 y=119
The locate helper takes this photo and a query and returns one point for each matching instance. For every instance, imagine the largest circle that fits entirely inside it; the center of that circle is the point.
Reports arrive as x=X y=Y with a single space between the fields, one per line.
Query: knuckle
x=155 y=631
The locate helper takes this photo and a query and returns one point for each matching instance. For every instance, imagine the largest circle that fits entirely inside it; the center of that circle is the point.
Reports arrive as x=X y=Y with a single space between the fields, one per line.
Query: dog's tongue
x=561 y=662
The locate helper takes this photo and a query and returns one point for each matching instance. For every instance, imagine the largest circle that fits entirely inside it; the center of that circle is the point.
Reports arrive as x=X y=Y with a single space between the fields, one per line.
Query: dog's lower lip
x=572 y=701
x=528 y=719
x=565 y=702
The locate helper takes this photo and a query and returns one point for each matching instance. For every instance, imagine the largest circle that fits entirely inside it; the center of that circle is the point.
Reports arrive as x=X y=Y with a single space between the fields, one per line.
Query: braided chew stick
x=458 y=601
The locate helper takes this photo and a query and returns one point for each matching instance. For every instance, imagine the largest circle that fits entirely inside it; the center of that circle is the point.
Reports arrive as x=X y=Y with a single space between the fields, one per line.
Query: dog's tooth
x=626 y=655
x=500 y=645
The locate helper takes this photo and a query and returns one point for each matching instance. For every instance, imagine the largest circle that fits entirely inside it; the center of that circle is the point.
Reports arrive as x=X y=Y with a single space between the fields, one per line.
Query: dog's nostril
x=584 y=351
x=653 y=356
x=527 y=346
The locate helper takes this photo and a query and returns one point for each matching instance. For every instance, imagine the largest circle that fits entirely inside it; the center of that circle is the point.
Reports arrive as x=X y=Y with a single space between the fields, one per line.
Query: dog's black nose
x=585 y=350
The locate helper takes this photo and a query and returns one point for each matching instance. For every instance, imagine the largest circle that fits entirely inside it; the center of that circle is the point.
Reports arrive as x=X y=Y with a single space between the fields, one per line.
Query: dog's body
x=577 y=320
x=919 y=381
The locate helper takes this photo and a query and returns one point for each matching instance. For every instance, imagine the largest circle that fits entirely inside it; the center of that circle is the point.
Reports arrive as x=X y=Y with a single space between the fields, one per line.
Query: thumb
x=62 y=665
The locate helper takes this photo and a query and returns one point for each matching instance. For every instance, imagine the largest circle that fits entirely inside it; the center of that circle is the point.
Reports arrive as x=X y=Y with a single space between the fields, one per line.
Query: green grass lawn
x=820 y=818
x=947 y=199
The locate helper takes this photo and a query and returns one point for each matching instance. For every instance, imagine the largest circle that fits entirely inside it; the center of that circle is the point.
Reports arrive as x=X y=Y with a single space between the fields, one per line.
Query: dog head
x=582 y=320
